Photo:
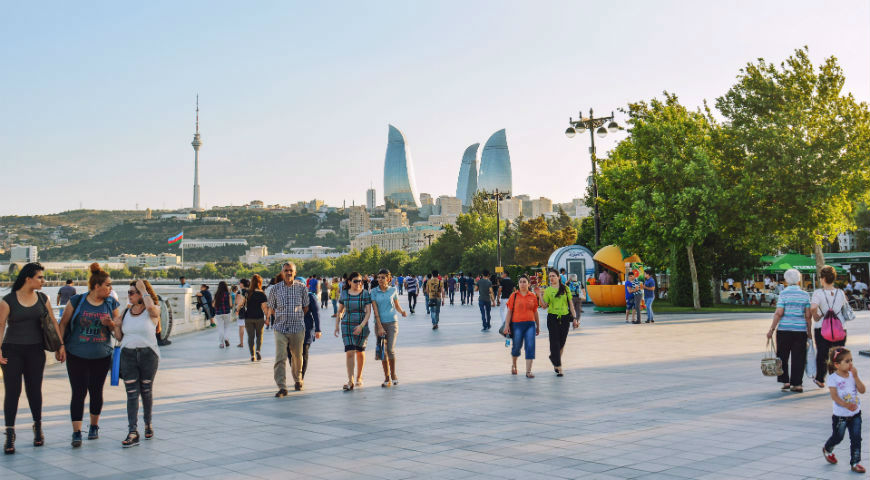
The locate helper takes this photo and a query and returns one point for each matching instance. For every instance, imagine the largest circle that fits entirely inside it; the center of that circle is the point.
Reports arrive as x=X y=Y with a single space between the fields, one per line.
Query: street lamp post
x=595 y=126
x=498 y=196
x=429 y=237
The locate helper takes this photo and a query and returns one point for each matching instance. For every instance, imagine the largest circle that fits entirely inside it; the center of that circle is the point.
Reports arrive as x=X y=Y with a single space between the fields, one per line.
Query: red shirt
x=523 y=307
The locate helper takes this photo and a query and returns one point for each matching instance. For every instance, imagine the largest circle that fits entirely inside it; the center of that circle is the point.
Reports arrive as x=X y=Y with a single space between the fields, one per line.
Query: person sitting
x=753 y=301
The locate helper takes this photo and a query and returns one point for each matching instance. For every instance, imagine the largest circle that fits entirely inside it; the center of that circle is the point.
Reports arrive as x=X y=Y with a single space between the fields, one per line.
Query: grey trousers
x=294 y=342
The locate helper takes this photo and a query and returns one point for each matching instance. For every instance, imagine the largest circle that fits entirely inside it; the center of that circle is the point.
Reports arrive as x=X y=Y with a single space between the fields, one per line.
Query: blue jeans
x=426 y=299
x=334 y=307
x=839 y=426
x=523 y=332
x=435 y=311
x=485 y=317
x=649 y=312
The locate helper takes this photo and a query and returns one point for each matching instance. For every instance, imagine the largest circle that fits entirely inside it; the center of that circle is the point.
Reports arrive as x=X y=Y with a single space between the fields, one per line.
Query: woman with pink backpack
x=827 y=307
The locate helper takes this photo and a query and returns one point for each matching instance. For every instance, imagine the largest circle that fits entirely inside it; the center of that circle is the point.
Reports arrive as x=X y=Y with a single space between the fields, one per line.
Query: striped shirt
x=288 y=303
x=794 y=302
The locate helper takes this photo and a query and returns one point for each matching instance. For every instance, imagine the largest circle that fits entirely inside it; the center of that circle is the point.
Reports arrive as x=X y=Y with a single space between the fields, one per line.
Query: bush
x=680 y=287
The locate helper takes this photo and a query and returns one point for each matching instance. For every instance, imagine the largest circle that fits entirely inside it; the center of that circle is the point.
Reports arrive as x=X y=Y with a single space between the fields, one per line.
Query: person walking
x=354 y=309
x=505 y=289
x=312 y=332
x=435 y=297
x=792 y=322
x=88 y=326
x=470 y=281
x=649 y=296
x=334 y=287
x=256 y=316
x=21 y=350
x=522 y=324
x=825 y=299
x=411 y=288
x=324 y=293
x=578 y=294
x=484 y=300
x=424 y=286
x=223 y=309
x=204 y=299
x=451 y=287
x=139 y=356
x=289 y=300
x=64 y=294
x=239 y=307
x=556 y=298
x=844 y=388
x=386 y=308
x=400 y=284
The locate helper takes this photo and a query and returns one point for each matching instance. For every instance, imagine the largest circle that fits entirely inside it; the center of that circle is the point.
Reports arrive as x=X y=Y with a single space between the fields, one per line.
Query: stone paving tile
x=683 y=398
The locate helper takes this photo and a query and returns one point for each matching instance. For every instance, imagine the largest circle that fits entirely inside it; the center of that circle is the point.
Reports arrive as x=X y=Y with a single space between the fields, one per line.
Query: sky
x=97 y=99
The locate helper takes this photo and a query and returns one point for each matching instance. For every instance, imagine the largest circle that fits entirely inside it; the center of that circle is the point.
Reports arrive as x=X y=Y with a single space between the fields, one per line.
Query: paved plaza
x=683 y=398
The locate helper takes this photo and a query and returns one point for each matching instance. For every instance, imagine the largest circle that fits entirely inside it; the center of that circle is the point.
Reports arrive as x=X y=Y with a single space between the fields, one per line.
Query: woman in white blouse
x=826 y=298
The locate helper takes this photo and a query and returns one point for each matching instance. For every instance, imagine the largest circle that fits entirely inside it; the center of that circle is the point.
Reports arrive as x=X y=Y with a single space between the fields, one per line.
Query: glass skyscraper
x=400 y=187
x=466 y=186
x=495 y=165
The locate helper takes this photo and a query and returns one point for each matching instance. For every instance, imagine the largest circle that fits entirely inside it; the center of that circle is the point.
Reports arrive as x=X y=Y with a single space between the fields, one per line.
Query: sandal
x=387 y=383
x=785 y=387
x=38 y=437
x=819 y=384
x=797 y=389
x=9 y=446
x=149 y=432
x=347 y=386
x=513 y=370
x=530 y=375
x=132 y=440
x=559 y=372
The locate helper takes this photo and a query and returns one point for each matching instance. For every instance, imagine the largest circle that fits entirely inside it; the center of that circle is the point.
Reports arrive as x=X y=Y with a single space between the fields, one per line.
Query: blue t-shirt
x=384 y=300
x=628 y=294
x=649 y=283
x=312 y=286
x=87 y=337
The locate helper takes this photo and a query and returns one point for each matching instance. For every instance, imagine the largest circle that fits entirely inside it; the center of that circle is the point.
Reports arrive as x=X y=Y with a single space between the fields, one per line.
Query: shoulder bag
x=50 y=339
x=848 y=314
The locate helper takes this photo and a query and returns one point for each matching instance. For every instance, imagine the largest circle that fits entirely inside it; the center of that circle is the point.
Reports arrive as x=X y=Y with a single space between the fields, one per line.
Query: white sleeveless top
x=139 y=332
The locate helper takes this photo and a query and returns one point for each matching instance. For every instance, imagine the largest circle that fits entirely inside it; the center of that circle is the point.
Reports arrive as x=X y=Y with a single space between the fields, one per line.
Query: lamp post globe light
x=595 y=126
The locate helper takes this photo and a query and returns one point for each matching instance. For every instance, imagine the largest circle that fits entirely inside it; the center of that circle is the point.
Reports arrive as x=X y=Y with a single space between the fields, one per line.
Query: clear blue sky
x=98 y=97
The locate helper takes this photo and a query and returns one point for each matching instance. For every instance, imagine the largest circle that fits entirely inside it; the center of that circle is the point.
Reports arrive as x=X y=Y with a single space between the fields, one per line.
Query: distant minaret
x=196 y=143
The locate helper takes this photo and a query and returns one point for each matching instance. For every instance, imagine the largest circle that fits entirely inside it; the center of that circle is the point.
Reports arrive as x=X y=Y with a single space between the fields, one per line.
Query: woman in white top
x=139 y=355
x=826 y=298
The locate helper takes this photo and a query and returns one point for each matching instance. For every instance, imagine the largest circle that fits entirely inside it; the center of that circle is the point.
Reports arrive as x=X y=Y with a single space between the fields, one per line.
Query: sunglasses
x=356 y=281
x=132 y=292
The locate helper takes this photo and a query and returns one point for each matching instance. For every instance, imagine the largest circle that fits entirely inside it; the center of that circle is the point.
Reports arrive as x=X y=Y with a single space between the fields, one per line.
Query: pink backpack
x=832 y=327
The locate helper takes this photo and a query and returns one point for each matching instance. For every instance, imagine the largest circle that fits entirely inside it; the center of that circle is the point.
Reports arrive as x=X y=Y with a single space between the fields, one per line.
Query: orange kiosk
x=610 y=298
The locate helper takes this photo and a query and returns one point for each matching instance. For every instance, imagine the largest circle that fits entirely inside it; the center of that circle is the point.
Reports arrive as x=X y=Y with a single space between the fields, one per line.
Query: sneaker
x=93 y=432
x=281 y=393
x=297 y=386
x=829 y=456
x=259 y=357
x=857 y=468
x=132 y=440
x=76 y=439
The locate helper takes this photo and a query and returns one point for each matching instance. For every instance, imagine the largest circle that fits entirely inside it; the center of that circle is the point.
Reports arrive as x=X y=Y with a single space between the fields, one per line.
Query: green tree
x=802 y=145
x=479 y=257
x=660 y=183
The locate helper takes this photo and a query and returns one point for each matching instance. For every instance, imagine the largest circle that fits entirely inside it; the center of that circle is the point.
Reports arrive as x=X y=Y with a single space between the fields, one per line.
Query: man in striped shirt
x=411 y=287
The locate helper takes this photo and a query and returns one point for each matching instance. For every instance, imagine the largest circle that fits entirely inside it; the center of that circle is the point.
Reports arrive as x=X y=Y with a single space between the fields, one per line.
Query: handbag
x=771 y=365
x=810 y=368
x=832 y=327
x=848 y=313
x=50 y=339
x=381 y=348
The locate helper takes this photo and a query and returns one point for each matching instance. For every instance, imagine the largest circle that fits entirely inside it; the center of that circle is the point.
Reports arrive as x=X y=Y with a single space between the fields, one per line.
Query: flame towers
x=466 y=185
x=495 y=165
x=400 y=187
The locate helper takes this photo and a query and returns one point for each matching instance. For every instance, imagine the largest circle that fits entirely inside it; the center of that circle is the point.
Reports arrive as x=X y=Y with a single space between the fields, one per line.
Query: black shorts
x=354 y=348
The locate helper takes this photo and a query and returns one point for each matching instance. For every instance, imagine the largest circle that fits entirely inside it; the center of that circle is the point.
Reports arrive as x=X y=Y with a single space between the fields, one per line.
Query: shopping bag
x=116 y=366
x=771 y=365
x=381 y=347
x=810 y=368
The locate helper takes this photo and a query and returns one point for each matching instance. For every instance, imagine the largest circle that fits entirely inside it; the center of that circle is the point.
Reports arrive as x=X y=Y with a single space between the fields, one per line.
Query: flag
x=176 y=238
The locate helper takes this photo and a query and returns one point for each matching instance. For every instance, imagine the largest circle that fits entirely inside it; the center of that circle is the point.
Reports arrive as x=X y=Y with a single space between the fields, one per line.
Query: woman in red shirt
x=522 y=324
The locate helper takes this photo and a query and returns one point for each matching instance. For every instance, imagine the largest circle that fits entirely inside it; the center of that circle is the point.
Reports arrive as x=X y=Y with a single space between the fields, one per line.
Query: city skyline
x=313 y=115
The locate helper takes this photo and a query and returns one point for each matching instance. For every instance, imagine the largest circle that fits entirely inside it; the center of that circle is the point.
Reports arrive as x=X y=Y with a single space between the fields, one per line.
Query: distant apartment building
x=358 y=221
x=395 y=218
x=255 y=204
x=315 y=205
x=215 y=219
x=409 y=239
x=541 y=206
x=214 y=242
x=580 y=208
x=186 y=217
x=426 y=199
x=846 y=241
x=439 y=220
x=25 y=254
x=146 y=260
x=323 y=232
x=254 y=254
x=510 y=209
x=371 y=200
x=449 y=205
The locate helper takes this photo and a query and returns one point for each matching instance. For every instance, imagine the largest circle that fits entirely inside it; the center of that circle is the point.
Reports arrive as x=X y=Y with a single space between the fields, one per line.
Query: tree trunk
x=714 y=284
x=820 y=260
x=696 y=294
x=743 y=291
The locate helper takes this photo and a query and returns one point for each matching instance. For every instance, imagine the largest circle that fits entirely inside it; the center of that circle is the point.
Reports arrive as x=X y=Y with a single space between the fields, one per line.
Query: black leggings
x=412 y=300
x=558 y=327
x=26 y=361
x=86 y=376
x=822 y=348
x=254 y=327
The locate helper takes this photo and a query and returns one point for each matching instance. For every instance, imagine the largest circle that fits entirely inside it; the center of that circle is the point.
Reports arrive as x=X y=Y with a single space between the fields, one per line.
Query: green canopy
x=801 y=263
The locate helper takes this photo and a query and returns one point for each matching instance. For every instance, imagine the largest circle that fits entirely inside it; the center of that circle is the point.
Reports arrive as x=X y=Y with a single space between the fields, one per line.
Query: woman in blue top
x=793 y=322
x=87 y=328
x=385 y=303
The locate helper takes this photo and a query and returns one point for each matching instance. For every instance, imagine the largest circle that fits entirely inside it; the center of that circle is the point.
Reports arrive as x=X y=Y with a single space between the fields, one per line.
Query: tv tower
x=196 y=143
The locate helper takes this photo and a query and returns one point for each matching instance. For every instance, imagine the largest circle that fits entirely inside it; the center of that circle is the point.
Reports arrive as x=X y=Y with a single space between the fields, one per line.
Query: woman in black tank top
x=21 y=352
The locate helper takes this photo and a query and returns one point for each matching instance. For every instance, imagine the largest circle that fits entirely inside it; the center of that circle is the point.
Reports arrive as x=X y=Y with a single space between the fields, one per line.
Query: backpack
x=433 y=286
x=832 y=327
